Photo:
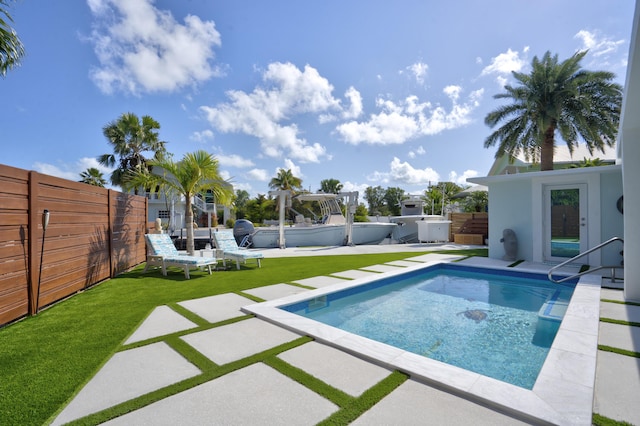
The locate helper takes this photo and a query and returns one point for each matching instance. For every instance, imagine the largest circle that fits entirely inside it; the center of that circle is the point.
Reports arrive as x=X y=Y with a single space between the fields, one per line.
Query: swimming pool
x=563 y=390
x=501 y=326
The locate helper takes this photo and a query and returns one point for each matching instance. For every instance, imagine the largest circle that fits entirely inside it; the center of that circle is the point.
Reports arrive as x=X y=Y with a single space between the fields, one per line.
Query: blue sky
x=367 y=92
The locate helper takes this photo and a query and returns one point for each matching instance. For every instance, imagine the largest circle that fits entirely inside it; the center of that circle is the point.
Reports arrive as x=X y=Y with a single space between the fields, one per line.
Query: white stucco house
x=528 y=203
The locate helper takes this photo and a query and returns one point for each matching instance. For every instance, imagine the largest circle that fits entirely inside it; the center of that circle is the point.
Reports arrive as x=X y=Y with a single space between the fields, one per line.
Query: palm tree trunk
x=546 y=149
x=188 y=215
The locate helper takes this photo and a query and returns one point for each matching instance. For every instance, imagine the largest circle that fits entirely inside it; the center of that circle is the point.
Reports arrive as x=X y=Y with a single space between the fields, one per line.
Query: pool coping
x=562 y=393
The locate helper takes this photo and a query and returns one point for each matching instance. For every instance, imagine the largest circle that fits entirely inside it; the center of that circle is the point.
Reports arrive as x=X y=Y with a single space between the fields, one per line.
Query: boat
x=411 y=214
x=332 y=228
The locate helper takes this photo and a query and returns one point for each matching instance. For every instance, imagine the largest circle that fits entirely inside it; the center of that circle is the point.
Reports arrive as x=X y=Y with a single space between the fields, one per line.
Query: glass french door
x=565 y=221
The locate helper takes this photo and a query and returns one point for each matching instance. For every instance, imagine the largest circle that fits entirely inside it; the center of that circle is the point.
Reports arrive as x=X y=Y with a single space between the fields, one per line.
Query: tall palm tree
x=131 y=138
x=285 y=180
x=195 y=173
x=556 y=97
x=11 y=48
x=93 y=176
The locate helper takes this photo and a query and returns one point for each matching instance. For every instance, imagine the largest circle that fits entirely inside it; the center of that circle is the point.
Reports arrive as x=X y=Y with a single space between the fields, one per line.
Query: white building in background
x=606 y=199
x=170 y=209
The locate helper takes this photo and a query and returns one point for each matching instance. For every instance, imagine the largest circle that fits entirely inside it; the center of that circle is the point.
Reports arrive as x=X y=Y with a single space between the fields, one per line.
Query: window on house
x=163 y=214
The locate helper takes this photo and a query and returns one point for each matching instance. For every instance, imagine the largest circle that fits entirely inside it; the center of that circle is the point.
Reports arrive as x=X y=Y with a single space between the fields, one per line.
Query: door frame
x=593 y=216
x=582 y=217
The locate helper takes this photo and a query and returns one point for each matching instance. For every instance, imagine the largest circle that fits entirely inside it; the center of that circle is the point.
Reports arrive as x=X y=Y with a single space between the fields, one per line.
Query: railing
x=200 y=203
x=588 y=271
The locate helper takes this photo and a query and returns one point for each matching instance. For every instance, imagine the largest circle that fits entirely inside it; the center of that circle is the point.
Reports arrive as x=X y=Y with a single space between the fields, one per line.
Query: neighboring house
x=576 y=206
x=170 y=209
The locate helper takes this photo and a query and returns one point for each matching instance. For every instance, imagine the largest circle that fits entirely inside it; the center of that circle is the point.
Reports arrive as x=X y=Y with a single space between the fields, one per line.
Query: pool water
x=499 y=325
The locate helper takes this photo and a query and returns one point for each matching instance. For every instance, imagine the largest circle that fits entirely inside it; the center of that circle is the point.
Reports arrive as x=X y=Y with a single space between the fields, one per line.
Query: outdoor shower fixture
x=45 y=223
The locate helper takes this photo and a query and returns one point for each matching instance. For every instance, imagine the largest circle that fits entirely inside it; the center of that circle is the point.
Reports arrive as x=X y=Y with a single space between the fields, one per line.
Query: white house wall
x=510 y=208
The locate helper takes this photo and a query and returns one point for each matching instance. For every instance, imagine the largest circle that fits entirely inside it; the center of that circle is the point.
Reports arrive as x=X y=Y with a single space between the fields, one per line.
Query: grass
x=45 y=359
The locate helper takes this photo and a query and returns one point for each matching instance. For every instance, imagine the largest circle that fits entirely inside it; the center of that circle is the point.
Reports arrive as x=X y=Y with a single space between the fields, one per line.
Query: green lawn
x=45 y=359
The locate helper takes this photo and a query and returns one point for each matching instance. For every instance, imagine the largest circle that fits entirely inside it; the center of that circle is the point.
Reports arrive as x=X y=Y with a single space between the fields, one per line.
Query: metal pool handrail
x=591 y=250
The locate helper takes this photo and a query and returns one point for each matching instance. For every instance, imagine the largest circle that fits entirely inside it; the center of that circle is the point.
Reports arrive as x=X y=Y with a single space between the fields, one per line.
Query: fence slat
x=78 y=247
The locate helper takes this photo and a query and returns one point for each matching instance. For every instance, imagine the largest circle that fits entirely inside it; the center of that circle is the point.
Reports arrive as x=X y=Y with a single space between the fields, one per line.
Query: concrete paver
x=353 y=274
x=382 y=268
x=127 y=375
x=619 y=311
x=162 y=321
x=319 y=282
x=414 y=403
x=619 y=336
x=217 y=308
x=402 y=263
x=617 y=387
x=337 y=368
x=238 y=340
x=275 y=291
x=254 y=395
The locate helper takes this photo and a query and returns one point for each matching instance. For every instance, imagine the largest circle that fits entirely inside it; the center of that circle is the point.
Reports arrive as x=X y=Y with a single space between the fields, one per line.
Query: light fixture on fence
x=45 y=223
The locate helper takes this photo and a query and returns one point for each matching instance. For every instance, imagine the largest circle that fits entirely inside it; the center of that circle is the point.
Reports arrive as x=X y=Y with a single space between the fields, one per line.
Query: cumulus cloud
x=258 y=174
x=409 y=118
x=419 y=151
x=355 y=104
x=418 y=71
x=601 y=48
x=142 y=49
x=406 y=173
x=266 y=113
x=234 y=161
x=205 y=135
x=71 y=171
x=502 y=65
x=462 y=179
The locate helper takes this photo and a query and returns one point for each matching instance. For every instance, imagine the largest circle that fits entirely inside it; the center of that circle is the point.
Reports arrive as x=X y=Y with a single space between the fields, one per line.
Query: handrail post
x=591 y=250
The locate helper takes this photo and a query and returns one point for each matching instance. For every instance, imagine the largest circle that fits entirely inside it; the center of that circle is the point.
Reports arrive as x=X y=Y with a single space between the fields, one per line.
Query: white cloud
x=419 y=151
x=290 y=165
x=399 y=122
x=406 y=173
x=462 y=179
x=355 y=105
x=350 y=187
x=202 y=136
x=601 y=48
x=502 y=65
x=266 y=112
x=258 y=174
x=71 y=171
x=418 y=71
x=234 y=161
x=143 y=49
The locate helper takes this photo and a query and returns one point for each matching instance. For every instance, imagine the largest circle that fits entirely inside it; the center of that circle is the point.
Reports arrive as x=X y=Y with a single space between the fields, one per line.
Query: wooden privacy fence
x=93 y=234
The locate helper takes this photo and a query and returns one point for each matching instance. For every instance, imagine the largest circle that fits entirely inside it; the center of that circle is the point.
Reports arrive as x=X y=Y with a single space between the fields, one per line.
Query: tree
x=240 y=203
x=392 y=199
x=285 y=180
x=375 y=198
x=330 y=186
x=11 y=48
x=476 y=201
x=587 y=162
x=556 y=98
x=131 y=138
x=93 y=176
x=438 y=196
x=195 y=173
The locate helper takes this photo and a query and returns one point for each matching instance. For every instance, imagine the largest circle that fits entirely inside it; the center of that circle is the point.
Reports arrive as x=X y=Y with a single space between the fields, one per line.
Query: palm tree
x=93 y=176
x=195 y=173
x=285 y=180
x=556 y=97
x=11 y=48
x=330 y=186
x=130 y=139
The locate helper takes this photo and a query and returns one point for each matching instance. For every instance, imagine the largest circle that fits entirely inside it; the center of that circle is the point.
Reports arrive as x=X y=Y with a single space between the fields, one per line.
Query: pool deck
x=270 y=397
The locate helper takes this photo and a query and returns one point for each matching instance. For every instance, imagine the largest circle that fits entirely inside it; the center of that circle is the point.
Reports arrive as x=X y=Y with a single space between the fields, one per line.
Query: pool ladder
x=590 y=270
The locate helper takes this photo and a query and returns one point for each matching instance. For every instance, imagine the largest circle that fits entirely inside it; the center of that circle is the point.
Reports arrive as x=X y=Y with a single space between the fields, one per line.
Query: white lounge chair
x=161 y=252
x=226 y=242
